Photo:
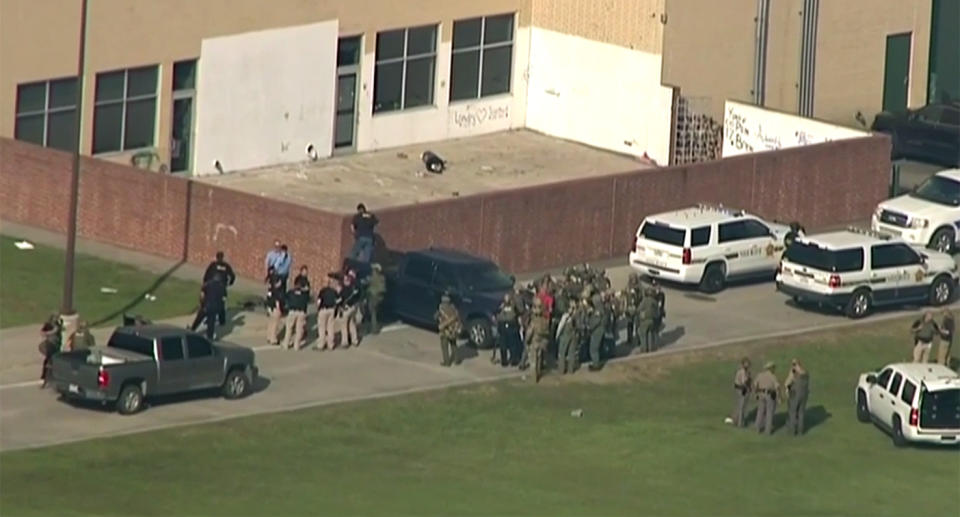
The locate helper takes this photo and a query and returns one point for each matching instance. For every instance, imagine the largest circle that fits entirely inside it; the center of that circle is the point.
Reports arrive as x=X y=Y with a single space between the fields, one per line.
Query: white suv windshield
x=834 y=261
x=940 y=190
x=940 y=409
x=663 y=233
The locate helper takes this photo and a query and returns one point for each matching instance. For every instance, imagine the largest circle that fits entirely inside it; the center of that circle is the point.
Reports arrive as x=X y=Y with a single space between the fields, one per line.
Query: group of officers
x=766 y=389
x=566 y=320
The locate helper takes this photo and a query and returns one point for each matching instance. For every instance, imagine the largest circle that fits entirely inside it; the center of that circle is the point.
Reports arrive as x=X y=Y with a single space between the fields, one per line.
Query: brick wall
x=524 y=229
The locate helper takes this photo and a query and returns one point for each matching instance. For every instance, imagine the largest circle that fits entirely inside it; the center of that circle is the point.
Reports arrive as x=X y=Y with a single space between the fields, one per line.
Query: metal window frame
x=126 y=98
x=405 y=59
x=46 y=111
x=481 y=48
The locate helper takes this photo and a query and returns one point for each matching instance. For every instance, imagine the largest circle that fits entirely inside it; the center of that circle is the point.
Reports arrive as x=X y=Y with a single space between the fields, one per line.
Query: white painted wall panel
x=443 y=120
x=599 y=94
x=263 y=96
x=750 y=129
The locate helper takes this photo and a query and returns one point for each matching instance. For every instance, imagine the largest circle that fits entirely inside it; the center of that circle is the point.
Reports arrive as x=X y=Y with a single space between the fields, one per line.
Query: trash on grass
x=108 y=290
x=728 y=420
x=576 y=413
x=150 y=297
x=23 y=245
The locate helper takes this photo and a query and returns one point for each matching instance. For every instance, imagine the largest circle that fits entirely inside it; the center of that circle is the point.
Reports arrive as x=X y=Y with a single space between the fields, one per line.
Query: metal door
x=896 y=72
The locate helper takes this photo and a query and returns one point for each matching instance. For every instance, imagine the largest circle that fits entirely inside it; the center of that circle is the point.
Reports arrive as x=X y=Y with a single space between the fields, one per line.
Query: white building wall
x=443 y=120
x=263 y=96
x=751 y=129
x=599 y=94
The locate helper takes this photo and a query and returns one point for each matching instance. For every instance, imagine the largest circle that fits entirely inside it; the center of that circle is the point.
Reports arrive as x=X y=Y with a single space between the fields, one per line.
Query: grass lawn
x=650 y=442
x=31 y=286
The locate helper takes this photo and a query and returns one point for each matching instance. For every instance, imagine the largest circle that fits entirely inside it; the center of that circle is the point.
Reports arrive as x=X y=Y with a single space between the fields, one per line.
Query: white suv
x=707 y=245
x=855 y=270
x=927 y=216
x=916 y=402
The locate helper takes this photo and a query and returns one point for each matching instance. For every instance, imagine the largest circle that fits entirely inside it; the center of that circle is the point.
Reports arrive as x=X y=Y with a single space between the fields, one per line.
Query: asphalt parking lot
x=400 y=360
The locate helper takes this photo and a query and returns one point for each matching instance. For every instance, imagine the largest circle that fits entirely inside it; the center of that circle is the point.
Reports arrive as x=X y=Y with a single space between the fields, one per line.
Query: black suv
x=476 y=286
x=931 y=133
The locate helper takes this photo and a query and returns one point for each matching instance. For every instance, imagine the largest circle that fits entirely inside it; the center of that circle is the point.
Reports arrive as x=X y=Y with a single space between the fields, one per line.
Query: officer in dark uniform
x=211 y=304
x=223 y=268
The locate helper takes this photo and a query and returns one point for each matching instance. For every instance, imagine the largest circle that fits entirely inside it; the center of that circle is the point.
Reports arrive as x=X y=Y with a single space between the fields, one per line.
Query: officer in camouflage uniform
x=596 y=324
x=582 y=325
x=612 y=303
x=376 y=289
x=538 y=338
x=449 y=325
x=632 y=295
x=647 y=319
x=567 y=340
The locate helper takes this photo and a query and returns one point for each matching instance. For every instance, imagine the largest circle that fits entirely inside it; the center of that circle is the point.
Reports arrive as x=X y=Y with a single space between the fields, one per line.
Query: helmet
x=445 y=297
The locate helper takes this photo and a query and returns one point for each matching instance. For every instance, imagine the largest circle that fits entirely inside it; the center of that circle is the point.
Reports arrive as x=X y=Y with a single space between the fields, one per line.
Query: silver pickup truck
x=150 y=360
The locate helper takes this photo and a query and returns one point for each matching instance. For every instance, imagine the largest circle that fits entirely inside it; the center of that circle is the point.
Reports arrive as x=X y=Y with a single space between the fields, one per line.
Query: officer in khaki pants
x=276 y=307
x=297 y=300
x=349 y=300
x=327 y=300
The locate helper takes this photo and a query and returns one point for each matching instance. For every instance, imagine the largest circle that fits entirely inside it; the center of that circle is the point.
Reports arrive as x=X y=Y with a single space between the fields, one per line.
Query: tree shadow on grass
x=136 y=300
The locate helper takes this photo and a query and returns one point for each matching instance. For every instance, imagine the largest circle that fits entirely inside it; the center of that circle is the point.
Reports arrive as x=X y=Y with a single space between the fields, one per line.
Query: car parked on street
x=145 y=361
x=476 y=286
x=931 y=133
x=929 y=215
x=914 y=402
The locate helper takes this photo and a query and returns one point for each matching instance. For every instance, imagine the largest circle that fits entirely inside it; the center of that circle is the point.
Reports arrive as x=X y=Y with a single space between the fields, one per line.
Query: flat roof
x=694 y=216
x=929 y=372
x=396 y=177
x=840 y=239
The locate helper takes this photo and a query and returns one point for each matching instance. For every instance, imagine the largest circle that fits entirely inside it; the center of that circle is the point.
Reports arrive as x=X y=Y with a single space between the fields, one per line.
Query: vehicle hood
x=236 y=351
x=779 y=229
x=911 y=206
x=937 y=261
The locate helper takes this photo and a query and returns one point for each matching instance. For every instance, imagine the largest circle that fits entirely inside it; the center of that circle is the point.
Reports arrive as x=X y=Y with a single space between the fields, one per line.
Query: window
x=892 y=255
x=171 y=348
x=419 y=269
x=884 y=377
x=940 y=409
x=700 y=236
x=834 y=261
x=131 y=343
x=185 y=75
x=909 y=390
x=733 y=231
x=753 y=229
x=404 y=74
x=664 y=234
x=181 y=134
x=443 y=278
x=895 y=384
x=198 y=346
x=125 y=110
x=486 y=278
x=482 y=57
x=940 y=190
x=47 y=113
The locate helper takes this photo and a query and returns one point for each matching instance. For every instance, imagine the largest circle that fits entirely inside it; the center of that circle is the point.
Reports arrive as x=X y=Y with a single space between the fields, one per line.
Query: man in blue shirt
x=279 y=259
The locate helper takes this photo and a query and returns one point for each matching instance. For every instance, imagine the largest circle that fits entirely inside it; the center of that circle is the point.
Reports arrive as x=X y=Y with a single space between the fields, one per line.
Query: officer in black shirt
x=221 y=267
x=297 y=300
x=327 y=300
x=213 y=293
x=303 y=279
x=363 y=231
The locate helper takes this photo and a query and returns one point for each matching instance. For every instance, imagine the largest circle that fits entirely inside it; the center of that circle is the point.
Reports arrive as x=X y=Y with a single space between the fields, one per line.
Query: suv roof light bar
x=868 y=233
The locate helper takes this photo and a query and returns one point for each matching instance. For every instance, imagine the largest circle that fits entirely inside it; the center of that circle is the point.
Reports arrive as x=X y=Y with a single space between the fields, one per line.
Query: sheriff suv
x=915 y=402
x=707 y=245
x=927 y=216
x=856 y=270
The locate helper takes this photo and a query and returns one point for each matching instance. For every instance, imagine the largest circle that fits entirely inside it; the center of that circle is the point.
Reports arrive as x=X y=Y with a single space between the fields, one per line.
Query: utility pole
x=67 y=310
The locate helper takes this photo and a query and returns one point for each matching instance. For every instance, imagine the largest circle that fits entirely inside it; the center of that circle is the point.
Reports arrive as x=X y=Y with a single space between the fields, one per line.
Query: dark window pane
x=106 y=128
x=31 y=97
x=62 y=130
x=63 y=93
x=422 y=40
x=390 y=44
x=419 y=87
x=498 y=29
x=181 y=133
x=29 y=129
x=139 y=128
x=387 y=87
x=109 y=86
x=348 y=51
x=185 y=75
x=465 y=75
x=197 y=346
x=142 y=81
x=496 y=70
x=343 y=130
x=466 y=33
x=700 y=236
x=171 y=349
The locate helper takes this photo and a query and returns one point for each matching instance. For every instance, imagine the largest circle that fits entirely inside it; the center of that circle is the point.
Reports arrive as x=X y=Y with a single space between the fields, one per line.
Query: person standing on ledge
x=363 y=230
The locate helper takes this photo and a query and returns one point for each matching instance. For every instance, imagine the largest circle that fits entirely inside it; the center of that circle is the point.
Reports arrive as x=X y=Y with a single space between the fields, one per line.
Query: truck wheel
x=863 y=412
x=942 y=240
x=898 y=439
x=130 y=400
x=941 y=291
x=235 y=385
x=859 y=304
x=479 y=333
x=713 y=279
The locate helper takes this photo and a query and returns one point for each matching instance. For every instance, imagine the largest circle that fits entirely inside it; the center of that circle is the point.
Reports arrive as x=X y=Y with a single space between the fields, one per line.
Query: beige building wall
x=39 y=38
x=709 y=52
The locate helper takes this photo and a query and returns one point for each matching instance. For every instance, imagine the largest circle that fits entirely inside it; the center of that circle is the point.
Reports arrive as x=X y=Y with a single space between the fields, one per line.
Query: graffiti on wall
x=749 y=129
x=697 y=135
x=473 y=116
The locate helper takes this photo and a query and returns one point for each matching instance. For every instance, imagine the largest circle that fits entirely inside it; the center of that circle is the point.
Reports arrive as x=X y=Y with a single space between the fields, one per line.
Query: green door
x=896 y=72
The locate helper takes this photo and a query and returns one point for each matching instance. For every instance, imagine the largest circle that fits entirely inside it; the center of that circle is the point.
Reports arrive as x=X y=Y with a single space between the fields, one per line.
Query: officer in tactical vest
x=742 y=383
x=508 y=333
x=449 y=325
x=647 y=317
x=566 y=340
x=538 y=338
x=376 y=290
x=596 y=324
x=798 y=389
x=632 y=295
